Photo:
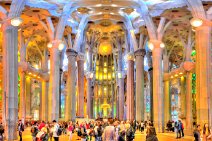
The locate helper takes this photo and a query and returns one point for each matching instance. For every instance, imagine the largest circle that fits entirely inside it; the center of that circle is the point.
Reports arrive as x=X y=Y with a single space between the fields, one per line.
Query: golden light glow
x=97 y=68
x=105 y=76
x=172 y=77
x=180 y=73
x=105 y=64
x=176 y=75
x=196 y=22
x=97 y=76
x=151 y=46
x=105 y=48
x=105 y=70
x=30 y=73
x=16 y=21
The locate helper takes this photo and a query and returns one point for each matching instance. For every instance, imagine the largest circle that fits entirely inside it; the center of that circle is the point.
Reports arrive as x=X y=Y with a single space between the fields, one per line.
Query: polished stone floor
x=138 y=137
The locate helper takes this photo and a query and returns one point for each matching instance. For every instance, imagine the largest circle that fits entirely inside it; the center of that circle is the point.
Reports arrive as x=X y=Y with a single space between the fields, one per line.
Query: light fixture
x=176 y=75
x=100 y=13
x=49 y=45
x=151 y=46
x=30 y=73
x=61 y=46
x=180 y=73
x=196 y=22
x=16 y=21
x=119 y=75
x=114 y=5
x=162 y=45
x=111 y=13
x=172 y=77
x=34 y=75
x=98 y=5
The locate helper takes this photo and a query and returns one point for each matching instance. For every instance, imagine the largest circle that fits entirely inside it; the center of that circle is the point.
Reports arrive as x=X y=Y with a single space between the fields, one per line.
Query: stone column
x=22 y=109
x=182 y=96
x=80 y=65
x=45 y=86
x=53 y=103
x=167 y=99
x=89 y=86
x=44 y=101
x=139 y=60
x=203 y=45
x=189 y=114
x=130 y=88
x=121 y=86
x=157 y=86
x=10 y=80
x=70 y=112
x=28 y=96
x=89 y=97
x=150 y=72
x=113 y=98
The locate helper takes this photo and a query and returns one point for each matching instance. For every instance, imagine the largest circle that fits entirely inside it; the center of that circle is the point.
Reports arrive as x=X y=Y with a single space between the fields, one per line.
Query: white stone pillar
x=121 y=85
x=80 y=65
x=70 y=105
x=22 y=109
x=189 y=114
x=157 y=86
x=53 y=98
x=130 y=88
x=203 y=45
x=139 y=60
x=10 y=80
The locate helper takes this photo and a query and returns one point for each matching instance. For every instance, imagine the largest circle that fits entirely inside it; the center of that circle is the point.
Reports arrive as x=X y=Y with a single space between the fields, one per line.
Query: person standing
x=177 y=129
x=197 y=133
x=20 y=129
x=34 y=131
x=206 y=133
x=55 y=130
x=109 y=132
x=181 y=128
x=70 y=130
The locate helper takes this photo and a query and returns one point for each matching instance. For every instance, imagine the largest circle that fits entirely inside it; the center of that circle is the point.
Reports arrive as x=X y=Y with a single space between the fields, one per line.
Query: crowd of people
x=104 y=130
x=98 y=130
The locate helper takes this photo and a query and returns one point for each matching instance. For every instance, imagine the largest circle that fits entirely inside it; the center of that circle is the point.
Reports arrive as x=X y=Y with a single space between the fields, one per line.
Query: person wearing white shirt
x=55 y=129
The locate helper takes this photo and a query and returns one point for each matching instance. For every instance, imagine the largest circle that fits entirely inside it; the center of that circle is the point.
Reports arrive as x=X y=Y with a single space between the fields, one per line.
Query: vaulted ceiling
x=105 y=17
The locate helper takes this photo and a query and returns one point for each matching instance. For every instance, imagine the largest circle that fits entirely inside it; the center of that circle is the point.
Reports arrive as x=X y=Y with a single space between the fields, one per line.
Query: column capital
x=71 y=52
x=55 y=43
x=130 y=56
x=80 y=56
x=140 y=52
x=188 y=65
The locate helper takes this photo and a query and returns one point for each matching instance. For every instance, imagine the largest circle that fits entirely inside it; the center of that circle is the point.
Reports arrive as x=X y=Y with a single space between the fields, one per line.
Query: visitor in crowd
x=181 y=128
x=42 y=124
x=142 y=126
x=70 y=130
x=20 y=129
x=1 y=132
x=109 y=132
x=151 y=133
x=177 y=129
x=34 y=131
x=129 y=131
x=55 y=130
x=197 y=136
x=207 y=135
x=98 y=131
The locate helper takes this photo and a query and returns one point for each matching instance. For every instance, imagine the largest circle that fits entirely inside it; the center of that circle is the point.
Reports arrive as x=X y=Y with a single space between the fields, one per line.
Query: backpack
x=59 y=131
x=99 y=131
x=130 y=133
x=22 y=127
